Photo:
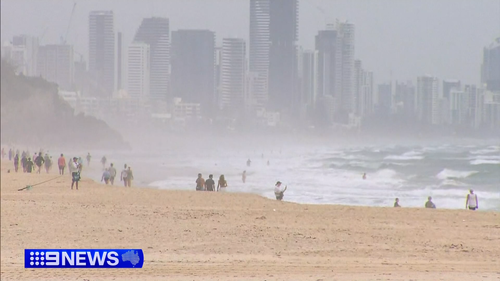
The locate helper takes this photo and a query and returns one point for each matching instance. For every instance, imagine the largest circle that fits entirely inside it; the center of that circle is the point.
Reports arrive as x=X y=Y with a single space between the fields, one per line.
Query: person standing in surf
x=471 y=201
x=278 y=192
x=244 y=176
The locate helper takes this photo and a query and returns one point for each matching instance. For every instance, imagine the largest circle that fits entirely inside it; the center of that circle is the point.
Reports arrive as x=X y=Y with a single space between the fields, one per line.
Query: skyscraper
x=326 y=46
x=233 y=75
x=259 y=50
x=308 y=78
x=22 y=53
x=363 y=89
x=384 y=99
x=138 y=70
x=119 y=59
x=404 y=98
x=428 y=100
x=193 y=67
x=155 y=31
x=102 y=51
x=449 y=85
x=283 y=32
x=336 y=69
x=490 y=72
x=56 y=64
x=346 y=30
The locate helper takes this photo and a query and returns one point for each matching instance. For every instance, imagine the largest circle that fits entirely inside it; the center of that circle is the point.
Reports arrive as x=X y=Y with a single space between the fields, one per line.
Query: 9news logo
x=79 y=258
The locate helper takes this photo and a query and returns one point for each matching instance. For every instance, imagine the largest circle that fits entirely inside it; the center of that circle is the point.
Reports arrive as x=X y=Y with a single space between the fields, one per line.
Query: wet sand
x=189 y=235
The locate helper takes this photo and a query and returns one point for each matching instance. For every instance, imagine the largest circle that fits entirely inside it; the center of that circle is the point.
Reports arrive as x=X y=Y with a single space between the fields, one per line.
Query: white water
x=323 y=175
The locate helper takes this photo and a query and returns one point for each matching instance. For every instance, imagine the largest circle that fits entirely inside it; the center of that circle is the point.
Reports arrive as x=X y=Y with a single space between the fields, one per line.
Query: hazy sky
x=407 y=38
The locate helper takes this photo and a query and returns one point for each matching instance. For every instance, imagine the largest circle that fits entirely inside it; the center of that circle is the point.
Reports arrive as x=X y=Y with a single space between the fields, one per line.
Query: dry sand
x=189 y=235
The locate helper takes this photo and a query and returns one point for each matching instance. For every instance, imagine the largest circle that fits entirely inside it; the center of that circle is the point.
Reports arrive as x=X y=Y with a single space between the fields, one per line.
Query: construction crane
x=69 y=24
x=328 y=20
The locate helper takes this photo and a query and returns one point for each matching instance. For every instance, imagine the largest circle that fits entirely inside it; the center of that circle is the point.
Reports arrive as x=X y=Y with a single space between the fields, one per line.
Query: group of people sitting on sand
x=209 y=184
x=471 y=202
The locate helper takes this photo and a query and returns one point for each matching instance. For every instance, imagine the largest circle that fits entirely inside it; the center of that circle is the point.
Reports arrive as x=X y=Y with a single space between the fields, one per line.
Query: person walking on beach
x=80 y=164
x=48 y=163
x=29 y=166
x=106 y=176
x=471 y=201
x=24 y=161
x=429 y=204
x=88 y=159
x=103 y=161
x=123 y=175
x=244 y=176
x=278 y=192
x=39 y=162
x=200 y=183
x=61 y=162
x=10 y=154
x=16 y=162
x=396 y=203
x=112 y=173
x=364 y=176
x=74 y=168
x=130 y=177
x=249 y=162
x=210 y=183
x=221 y=184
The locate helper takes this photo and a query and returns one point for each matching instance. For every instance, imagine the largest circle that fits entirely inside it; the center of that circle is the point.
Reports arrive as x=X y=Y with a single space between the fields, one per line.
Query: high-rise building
x=336 y=68
x=56 y=64
x=283 y=32
x=428 y=104
x=102 y=51
x=346 y=30
x=490 y=71
x=384 y=98
x=233 y=75
x=363 y=90
x=404 y=99
x=449 y=85
x=326 y=46
x=155 y=31
x=259 y=50
x=138 y=70
x=193 y=67
x=22 y=53
x=308 y=81
x=119 y=58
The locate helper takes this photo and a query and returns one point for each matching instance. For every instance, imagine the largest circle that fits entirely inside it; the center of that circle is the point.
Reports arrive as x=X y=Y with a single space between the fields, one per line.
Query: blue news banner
x=80 y=258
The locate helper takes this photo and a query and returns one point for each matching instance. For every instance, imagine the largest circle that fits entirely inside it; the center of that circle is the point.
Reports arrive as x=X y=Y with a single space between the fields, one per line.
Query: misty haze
x=306 y=118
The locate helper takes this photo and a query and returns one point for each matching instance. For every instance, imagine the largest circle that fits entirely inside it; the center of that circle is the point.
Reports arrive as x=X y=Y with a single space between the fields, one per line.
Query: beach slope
x=189 y=235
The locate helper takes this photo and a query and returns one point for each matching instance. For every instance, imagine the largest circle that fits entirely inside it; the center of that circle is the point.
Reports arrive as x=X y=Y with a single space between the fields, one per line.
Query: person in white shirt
x=74 y=168
x=471 y=201
x=278 y=191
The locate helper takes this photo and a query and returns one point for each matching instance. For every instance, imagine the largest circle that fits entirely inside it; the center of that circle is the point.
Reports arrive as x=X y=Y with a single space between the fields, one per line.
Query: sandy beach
x=189 y=235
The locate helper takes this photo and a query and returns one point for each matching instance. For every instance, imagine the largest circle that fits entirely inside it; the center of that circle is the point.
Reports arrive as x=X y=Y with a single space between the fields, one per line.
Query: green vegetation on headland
x=33 y=114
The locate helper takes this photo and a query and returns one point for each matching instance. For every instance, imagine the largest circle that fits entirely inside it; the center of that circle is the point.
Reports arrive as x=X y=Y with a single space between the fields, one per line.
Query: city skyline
x=276 y=83
x=375 y=31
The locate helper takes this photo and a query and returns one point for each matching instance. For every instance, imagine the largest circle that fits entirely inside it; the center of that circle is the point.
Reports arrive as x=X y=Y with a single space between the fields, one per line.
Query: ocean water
x=323 y=175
